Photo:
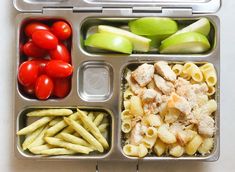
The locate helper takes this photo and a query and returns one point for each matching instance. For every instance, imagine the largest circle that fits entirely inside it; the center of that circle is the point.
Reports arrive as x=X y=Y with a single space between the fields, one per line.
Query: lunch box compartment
x=22 y=38
x=213 y=155
x=23 y=121
x=95 y=81
x=90 y=26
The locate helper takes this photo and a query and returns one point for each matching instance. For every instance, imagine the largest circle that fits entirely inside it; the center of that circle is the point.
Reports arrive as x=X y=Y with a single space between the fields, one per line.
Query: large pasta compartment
x=170 y=110
x=64 y=133
x=149 y=35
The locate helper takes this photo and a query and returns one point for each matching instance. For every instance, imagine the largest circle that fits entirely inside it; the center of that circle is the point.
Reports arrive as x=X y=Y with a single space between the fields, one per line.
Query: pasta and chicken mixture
x=168 y=109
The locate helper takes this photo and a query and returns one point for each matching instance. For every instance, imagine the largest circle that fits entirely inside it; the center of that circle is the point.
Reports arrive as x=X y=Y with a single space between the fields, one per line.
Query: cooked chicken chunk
x=206 y=126
x=149 y=95
x=133 y=84
x=143 y=74
x=188 y=91
x=150 y=108
x=163 y=69
x=165 y=86
x=200 y=88
x=158 y=98
x=136 y=136
x=179 y=103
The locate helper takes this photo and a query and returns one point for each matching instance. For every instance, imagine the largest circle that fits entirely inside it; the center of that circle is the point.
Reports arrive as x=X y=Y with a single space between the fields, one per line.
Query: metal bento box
x=105 y=70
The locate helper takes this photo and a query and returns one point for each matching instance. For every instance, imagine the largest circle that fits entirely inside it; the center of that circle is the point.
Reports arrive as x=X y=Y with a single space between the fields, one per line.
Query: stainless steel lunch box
x=97 y=81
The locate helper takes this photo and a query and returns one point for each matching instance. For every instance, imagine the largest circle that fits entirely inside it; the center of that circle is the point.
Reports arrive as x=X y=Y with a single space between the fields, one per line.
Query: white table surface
x=226 y=163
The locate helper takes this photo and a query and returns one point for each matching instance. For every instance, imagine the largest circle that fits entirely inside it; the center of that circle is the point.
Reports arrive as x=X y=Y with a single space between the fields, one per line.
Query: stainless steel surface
x=198 y=6
x=95 y=81
x=116 y=63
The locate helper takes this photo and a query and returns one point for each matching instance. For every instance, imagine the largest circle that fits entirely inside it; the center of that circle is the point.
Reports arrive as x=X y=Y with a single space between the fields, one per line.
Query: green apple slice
x=153 y=26
x=140 y=43
x=201 y=26
x=185 y=43
x=108 y=41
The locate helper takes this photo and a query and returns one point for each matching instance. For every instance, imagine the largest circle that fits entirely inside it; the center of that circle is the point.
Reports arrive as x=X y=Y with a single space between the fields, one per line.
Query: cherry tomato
x=60 y=53
x=61 y=30
x=41 y=64
x=28 y=73
x=58 y=69
x=43 y=87
x=45 y=39
x=29 y=89
x=35 y=26
x=32 y=50
x=61 y=87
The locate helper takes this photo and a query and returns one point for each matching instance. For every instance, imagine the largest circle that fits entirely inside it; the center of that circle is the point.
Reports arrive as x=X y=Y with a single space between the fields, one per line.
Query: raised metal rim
x=206 y=6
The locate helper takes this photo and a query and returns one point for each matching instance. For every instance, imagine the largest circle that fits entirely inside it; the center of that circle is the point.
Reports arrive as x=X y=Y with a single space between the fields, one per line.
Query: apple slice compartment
x=90 y=26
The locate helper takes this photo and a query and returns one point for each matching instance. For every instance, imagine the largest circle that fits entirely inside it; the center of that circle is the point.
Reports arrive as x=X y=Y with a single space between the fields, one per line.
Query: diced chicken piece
x=159 y=96
x=185 y=89
x=136 y=136
x=150 y=108
x=179 y=103
x=191 y=118
x=143 y=74
x=133 y=84
x=200 y=88
x=163 y=69
x=149 y=95
x=206 y=126
x=202 y=99
x=193 y=93
x=181 y=82
x=165 y=86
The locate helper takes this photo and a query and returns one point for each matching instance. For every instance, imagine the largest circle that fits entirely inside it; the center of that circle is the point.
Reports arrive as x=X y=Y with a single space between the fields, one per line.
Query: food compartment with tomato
x=45 y=65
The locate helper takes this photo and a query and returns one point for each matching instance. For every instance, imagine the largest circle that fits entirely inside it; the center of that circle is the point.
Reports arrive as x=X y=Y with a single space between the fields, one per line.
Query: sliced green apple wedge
x=201 y=26
x=108 y=41
x=185 y=43
x=153 y=26
x=140 y=43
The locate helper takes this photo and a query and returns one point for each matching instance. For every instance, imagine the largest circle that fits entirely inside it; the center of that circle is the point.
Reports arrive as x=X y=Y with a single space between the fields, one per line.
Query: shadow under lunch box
x=103 y=90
